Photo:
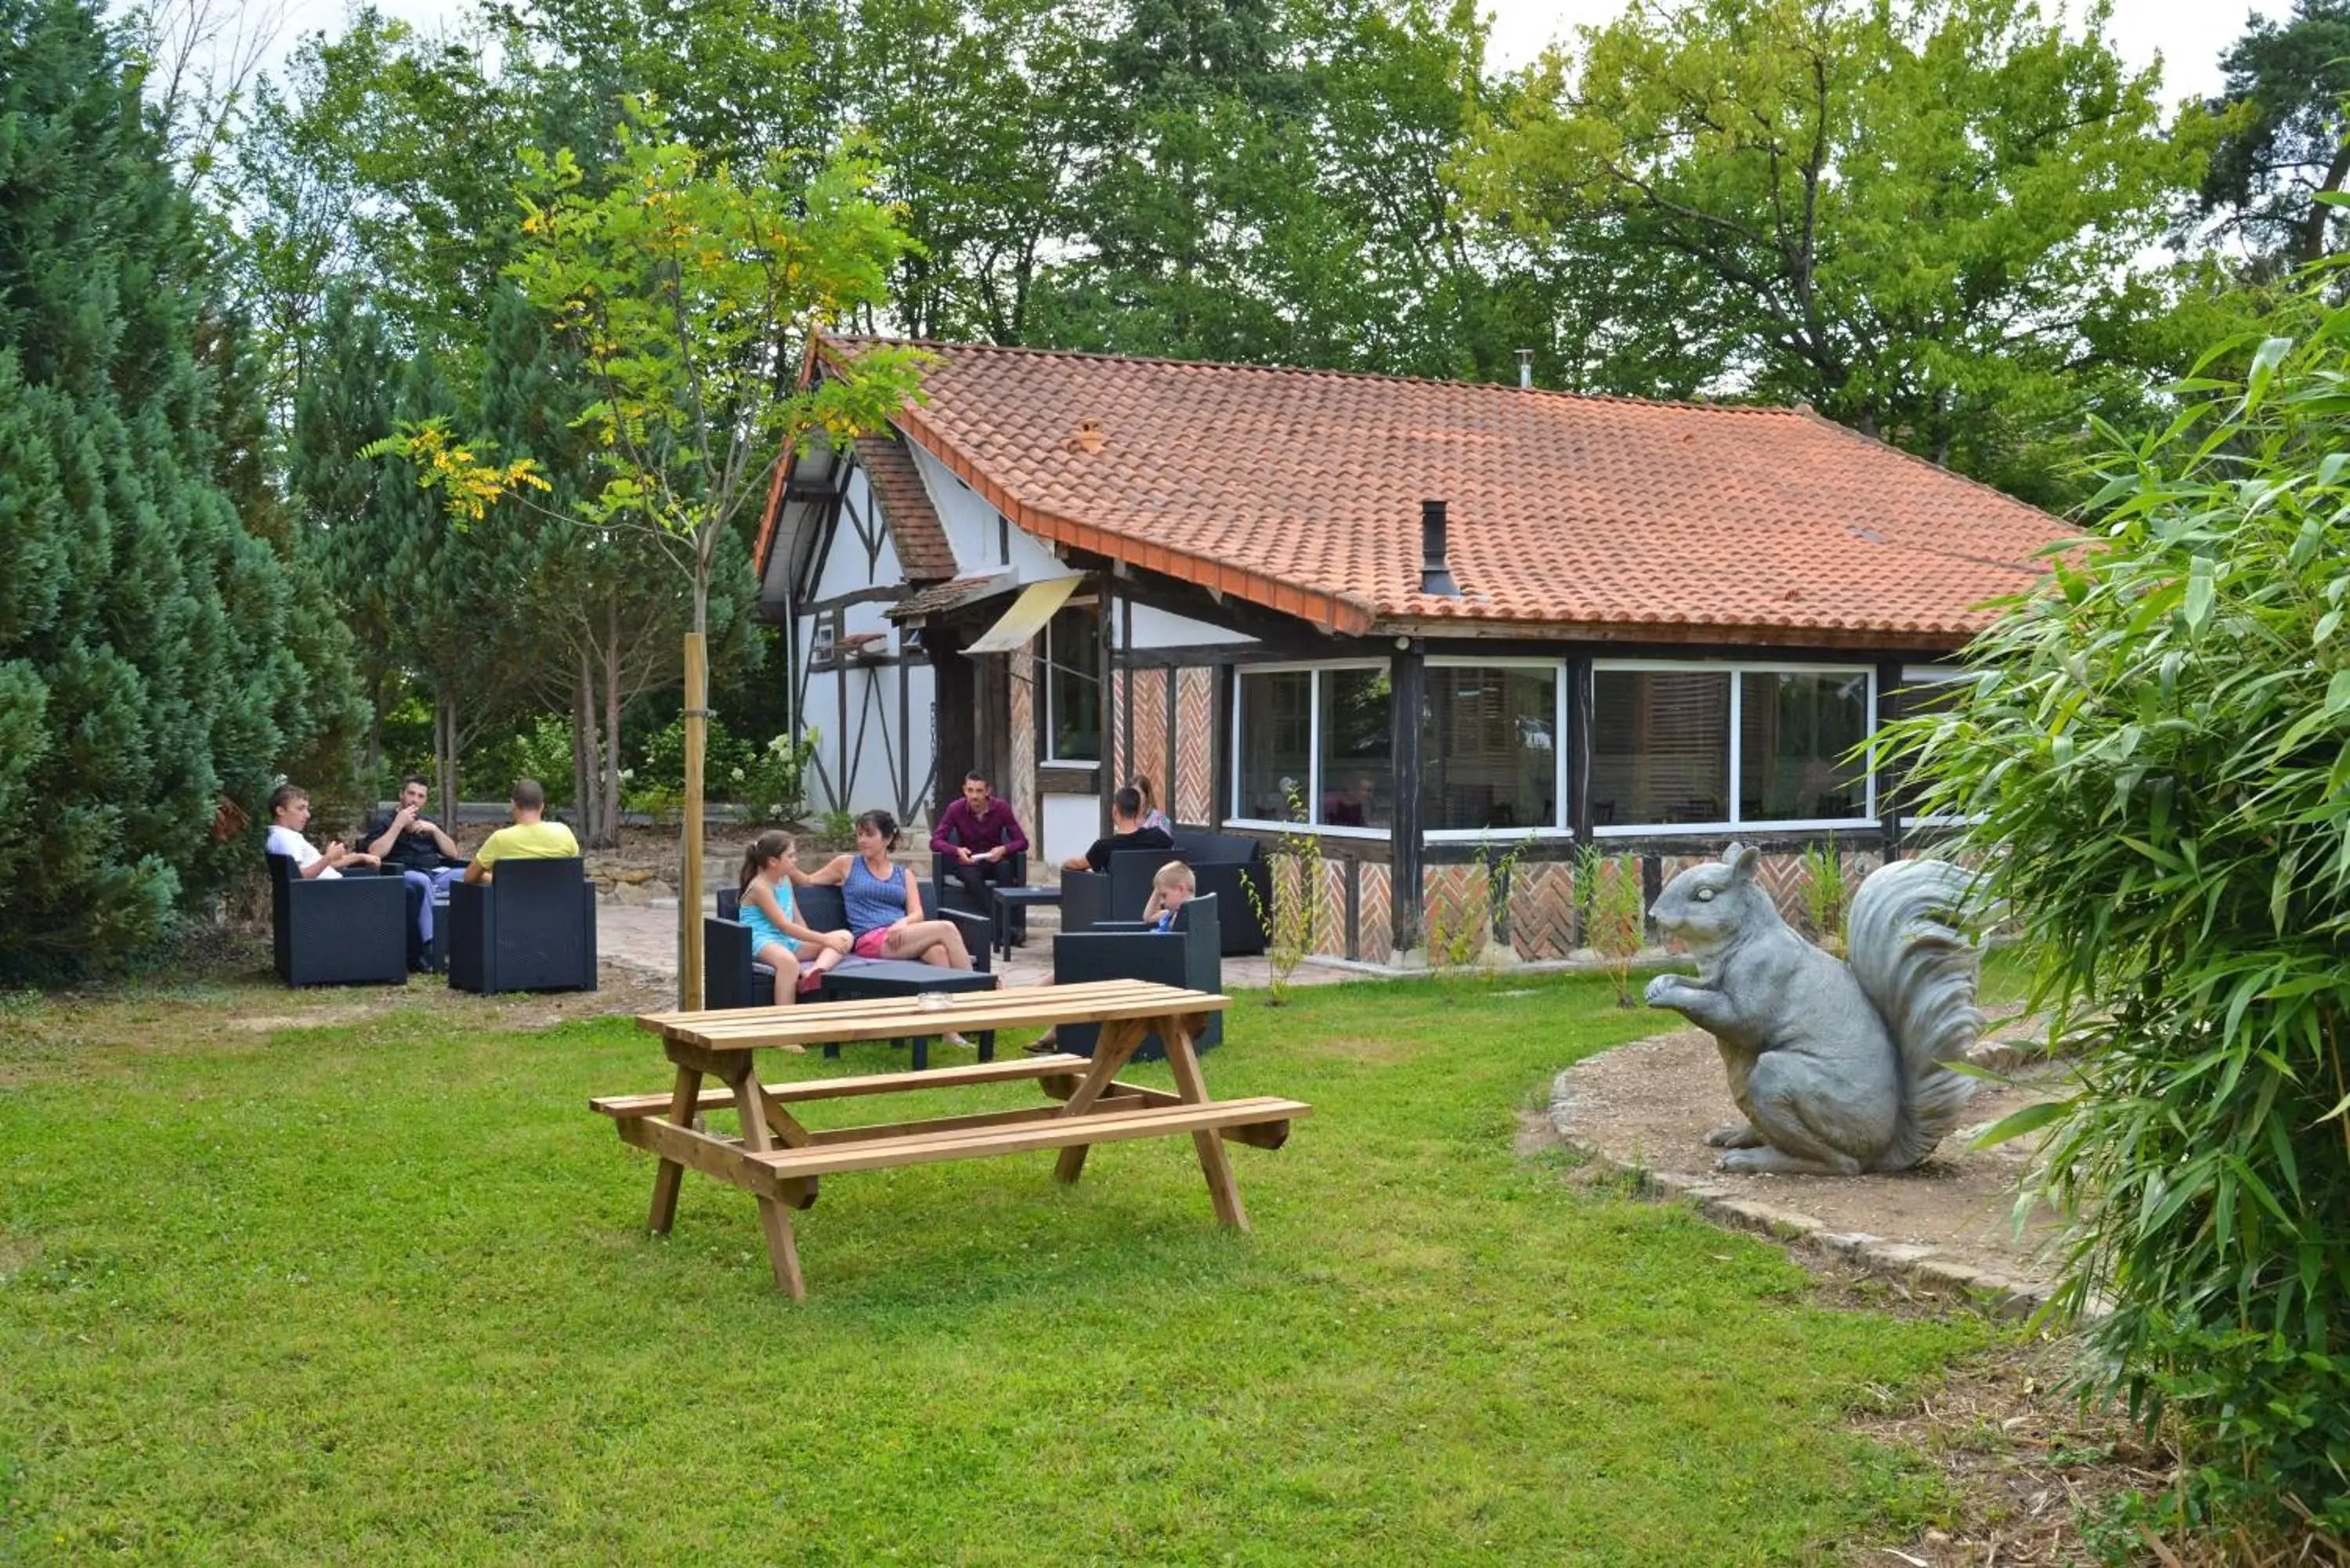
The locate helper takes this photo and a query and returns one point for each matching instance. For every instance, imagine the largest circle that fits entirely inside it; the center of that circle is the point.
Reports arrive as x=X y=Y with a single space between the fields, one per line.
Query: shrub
x=2158 y=743
x=1826 y=895
x=723 y=755
x=1614 y=914
x=1459 y=931
x=1289 y=912
x=770 y=787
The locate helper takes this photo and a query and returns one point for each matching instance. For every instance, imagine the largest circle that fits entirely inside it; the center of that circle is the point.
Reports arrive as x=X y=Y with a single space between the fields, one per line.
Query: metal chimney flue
x=1526 y=369
x=1435 y=576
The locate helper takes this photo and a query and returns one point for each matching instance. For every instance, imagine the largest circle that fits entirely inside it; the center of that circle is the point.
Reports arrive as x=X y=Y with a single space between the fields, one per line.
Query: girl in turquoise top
x=777 y=937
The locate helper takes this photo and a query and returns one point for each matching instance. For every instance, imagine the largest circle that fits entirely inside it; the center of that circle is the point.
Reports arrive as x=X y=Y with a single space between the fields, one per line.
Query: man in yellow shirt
x=531 y=838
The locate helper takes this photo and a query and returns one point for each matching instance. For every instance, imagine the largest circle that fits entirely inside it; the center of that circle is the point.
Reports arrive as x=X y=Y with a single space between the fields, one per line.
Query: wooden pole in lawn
x=689 y=882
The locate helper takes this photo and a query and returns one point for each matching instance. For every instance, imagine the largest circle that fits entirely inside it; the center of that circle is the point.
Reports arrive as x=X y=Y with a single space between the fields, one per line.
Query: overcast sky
x=2187 y=34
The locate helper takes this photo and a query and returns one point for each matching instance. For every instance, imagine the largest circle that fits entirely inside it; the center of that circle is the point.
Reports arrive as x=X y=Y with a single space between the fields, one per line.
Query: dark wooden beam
x=1106 y=588
x=882 y=593
x=1126 y=726
x=1408 y=693
x=955 y=700
x=1581 y=692
x=1220 y=748
x=1285 y=634
x=1888 y=778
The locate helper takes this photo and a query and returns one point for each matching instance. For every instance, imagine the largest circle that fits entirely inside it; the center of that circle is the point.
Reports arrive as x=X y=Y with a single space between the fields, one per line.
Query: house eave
x=1692 y=634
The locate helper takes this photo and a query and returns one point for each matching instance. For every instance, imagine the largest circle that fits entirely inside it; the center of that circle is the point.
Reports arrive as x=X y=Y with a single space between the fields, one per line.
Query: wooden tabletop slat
x=1061 y=1132
x=674 y=1018
x=740 y=1018
x=892 y=1018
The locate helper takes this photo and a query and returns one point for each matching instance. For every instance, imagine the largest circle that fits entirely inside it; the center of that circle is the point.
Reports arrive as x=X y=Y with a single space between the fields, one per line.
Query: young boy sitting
x=1170 y=890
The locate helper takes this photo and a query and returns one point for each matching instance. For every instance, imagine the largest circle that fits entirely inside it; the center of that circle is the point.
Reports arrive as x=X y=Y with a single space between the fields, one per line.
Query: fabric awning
x=1035 y=605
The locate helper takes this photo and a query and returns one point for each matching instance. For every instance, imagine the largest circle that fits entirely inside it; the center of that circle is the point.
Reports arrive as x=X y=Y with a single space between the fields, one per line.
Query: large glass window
x=1073 y=709
x=1489 y=748
x=1659 y=747
x=1276 y=745
x=1357 y=749
x=1794 y=732
x=1316 y=745
x=1926 y=689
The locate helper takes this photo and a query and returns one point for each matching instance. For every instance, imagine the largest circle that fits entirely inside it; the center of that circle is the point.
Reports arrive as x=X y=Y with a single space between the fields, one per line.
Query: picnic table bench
x=779 y=1161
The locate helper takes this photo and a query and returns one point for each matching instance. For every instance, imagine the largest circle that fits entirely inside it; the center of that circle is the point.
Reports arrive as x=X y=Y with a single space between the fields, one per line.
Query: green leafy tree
x=2286 y=142
x=983 y=112
x=690 y=293
x=150 y=653
x=604 y=614
x=1922 y=216
x=2156 y=756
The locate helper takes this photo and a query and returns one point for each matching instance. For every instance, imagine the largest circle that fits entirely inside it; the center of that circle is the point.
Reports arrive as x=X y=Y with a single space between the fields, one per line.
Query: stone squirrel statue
x=1837 y=1067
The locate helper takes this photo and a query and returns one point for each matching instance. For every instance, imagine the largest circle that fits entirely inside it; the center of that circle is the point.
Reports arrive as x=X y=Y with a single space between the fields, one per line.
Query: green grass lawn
x=379 y=1291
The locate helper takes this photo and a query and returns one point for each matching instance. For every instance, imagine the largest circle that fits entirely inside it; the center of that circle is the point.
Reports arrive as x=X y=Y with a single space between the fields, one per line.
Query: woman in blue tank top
x=885 y=908
x=779 y=938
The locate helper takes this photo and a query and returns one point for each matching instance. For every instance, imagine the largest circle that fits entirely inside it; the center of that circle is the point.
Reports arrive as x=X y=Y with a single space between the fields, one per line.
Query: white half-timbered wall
x=876 y=721
x=874 y=716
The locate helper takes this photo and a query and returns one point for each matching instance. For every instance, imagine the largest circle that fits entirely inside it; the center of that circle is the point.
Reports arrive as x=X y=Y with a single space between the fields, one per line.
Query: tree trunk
x=375 y=726
x=612 y=723
x=444 y=753
x=2313 y=227
x=689 y=882
x=586 y=786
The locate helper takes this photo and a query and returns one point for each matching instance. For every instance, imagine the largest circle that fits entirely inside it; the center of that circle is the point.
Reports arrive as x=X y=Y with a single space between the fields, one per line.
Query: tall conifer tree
x=152 y=659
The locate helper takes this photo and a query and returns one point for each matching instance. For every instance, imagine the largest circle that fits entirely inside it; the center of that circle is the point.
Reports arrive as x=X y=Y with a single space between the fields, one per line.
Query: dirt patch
x=1647 y=1106
x=2025 y=1461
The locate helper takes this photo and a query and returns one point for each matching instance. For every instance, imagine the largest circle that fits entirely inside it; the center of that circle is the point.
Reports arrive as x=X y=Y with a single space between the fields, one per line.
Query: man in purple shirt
x=979 y=835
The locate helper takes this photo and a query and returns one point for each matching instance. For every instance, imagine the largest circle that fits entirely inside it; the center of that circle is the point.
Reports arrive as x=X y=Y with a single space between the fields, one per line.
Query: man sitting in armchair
x=530 y=836
x=426 y=858
x=978 y=836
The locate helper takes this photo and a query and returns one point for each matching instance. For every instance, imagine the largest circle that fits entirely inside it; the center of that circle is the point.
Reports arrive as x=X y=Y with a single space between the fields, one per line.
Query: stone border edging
x=1914 y=1264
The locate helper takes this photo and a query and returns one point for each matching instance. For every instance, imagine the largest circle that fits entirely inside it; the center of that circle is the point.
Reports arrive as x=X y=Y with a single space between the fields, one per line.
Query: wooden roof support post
x=1888 y=779
x=1105 y=773
x=1408 y=695
x=1582 y=693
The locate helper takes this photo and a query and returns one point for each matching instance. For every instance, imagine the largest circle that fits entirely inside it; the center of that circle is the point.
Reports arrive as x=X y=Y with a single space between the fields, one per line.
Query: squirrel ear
x=1742 y=860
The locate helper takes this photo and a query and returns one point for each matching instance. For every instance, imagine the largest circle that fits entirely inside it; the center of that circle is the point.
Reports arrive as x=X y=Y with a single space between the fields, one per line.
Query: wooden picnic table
x=779 y=1161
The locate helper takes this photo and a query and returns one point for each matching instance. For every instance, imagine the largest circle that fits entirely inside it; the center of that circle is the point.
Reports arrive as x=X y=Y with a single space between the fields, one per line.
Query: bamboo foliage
x=2157 y=751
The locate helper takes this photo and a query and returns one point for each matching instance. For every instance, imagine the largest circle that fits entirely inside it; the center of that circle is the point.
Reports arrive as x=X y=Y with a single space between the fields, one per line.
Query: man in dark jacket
x=979 y=835
x=426 y=857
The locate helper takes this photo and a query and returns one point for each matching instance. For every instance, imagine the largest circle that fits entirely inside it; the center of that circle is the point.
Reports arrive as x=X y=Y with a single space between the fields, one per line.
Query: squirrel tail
x=1919 y=968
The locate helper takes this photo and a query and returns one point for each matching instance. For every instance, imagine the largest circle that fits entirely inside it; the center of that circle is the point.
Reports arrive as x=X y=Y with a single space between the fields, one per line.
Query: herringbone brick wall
x=1192 y=793
x=1149 y=696
x=1021 y=787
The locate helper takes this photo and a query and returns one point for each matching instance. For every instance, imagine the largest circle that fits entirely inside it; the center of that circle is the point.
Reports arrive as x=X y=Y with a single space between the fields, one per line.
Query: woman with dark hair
x=884 y=905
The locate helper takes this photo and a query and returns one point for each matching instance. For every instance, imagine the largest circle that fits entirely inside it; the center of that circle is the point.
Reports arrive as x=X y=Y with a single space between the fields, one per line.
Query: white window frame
x=1046 y=757
x=1560 y=826
x=1914 y=675
x=1733 y=668
x=1313 y=748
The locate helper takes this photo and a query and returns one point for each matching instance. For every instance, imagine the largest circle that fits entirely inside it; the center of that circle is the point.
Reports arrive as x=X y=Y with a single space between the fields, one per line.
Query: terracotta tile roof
x=914 y=528
x=1569 y=516
x=953 y=594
